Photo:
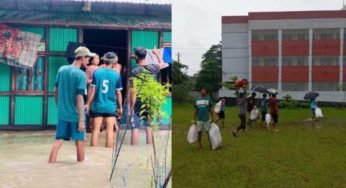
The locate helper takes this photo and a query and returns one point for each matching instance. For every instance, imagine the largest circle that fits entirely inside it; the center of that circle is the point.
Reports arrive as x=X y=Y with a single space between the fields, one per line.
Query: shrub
x=288 y=102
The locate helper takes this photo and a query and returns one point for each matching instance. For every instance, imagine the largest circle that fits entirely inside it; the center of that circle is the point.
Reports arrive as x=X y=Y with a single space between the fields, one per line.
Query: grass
x=302 y=154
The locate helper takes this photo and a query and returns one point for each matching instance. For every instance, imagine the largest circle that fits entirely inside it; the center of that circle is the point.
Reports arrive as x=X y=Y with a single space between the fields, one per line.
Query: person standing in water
x=105 y=100
x=135 y=103
x=69 y=89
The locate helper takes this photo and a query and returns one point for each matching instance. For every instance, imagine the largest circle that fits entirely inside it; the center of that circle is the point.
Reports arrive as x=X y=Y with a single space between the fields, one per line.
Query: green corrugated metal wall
x=37 y=30
x=167 y=37
x=59 y=38
x=54 y=63
x=167 y=108
x=52 y=112
x=5 y=81
x=24 y=113
x=4 y=110
x=146 y=39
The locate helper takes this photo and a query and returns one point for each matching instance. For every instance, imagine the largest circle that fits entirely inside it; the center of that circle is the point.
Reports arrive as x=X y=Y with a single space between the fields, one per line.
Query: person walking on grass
x=251 y=102
x=313 y=106
x=241 y=100
x=221 y=114
x=105 y=100
x=264 y=105
x=69 y=89
x=203 y=108
x=274 y=111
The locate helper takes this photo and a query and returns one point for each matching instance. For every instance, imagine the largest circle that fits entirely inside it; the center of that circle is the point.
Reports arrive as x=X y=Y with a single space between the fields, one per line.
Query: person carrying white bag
x=203 y=106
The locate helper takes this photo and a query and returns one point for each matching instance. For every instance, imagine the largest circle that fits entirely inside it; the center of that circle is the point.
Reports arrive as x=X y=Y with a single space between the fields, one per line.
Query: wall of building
x=235 y=51
x=22 y=90
x=294 y=56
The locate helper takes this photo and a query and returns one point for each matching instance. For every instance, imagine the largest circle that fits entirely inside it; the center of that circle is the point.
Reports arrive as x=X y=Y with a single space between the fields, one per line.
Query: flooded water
x=24 y=162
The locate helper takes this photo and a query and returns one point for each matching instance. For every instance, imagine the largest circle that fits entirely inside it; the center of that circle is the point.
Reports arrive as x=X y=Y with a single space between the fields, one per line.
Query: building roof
x=114 y=7
x=85 y=20
x=285 y=15
x=157 y=2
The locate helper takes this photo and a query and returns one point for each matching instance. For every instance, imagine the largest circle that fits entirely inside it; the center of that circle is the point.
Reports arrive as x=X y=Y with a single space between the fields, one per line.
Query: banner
x=18 y=48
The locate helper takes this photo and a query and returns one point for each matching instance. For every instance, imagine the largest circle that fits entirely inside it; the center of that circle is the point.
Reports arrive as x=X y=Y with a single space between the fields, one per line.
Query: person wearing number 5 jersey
x=105 y=100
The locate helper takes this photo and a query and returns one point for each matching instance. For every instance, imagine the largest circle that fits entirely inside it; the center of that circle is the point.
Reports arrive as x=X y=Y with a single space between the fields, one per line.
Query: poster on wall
x=18 y=48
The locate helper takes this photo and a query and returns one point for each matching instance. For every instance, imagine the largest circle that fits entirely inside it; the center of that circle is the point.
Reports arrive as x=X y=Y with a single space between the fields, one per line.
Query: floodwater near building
x=24 y=162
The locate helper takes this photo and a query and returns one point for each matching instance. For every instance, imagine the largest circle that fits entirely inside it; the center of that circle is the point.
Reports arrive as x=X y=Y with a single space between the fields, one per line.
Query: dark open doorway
x=101 y=41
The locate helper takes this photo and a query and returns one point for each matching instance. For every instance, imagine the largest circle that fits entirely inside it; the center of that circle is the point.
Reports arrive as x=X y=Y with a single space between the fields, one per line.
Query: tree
x=182 y=83
x=209 y=77
x=179 y=72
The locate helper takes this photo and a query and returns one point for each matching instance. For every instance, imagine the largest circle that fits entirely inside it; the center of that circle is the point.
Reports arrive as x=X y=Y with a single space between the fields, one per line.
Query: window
x=264 y=61
x=326 y=60
x=265 y=35
x=295 y=61
x=294 y=86
x=325 y=86
x=326 y=34
x=295 y=34
x=31 y=79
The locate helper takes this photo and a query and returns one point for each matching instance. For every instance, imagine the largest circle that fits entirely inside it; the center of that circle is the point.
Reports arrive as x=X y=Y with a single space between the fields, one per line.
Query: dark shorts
x=264 y=116
x=105 y=115
x=275 y=118
x=137 y=121
x=68 y=130
x=221 y=115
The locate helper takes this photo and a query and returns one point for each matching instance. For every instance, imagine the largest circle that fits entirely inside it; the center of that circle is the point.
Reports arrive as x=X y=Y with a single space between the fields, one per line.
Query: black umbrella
x=259 y=89
x=311 y=95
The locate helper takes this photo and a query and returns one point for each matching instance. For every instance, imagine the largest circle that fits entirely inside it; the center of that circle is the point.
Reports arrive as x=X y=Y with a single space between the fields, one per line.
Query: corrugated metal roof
x=159 y=2
x=114 y=7
x=85 y=19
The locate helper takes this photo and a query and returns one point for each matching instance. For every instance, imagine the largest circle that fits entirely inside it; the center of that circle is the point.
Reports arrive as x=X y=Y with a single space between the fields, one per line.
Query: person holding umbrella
x=313 y=106
x=311 y=96
x=264 y=104
x=274 y=110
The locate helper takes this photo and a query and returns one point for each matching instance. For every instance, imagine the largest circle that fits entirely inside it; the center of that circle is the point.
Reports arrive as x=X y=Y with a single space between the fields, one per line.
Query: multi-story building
x=294 y=52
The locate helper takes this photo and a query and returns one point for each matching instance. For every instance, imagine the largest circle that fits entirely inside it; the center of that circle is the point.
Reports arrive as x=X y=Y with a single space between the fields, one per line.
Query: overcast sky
x=196 y=24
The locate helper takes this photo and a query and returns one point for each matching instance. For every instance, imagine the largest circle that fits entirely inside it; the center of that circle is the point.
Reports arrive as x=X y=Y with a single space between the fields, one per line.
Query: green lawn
x=300 y=155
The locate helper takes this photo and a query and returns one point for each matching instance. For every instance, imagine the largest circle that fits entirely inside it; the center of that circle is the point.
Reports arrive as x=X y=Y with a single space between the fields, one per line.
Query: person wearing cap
x=69 y=89
x=135 y=104
x=105 y=99
x=241 y=100
x=203 y=106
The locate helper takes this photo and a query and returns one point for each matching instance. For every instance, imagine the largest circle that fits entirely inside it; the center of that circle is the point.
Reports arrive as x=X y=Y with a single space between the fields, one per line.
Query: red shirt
x=273 y=106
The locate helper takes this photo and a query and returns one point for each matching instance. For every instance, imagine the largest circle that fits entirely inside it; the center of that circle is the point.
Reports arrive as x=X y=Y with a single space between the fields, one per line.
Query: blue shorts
x=68 y=130
x=136 y=121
